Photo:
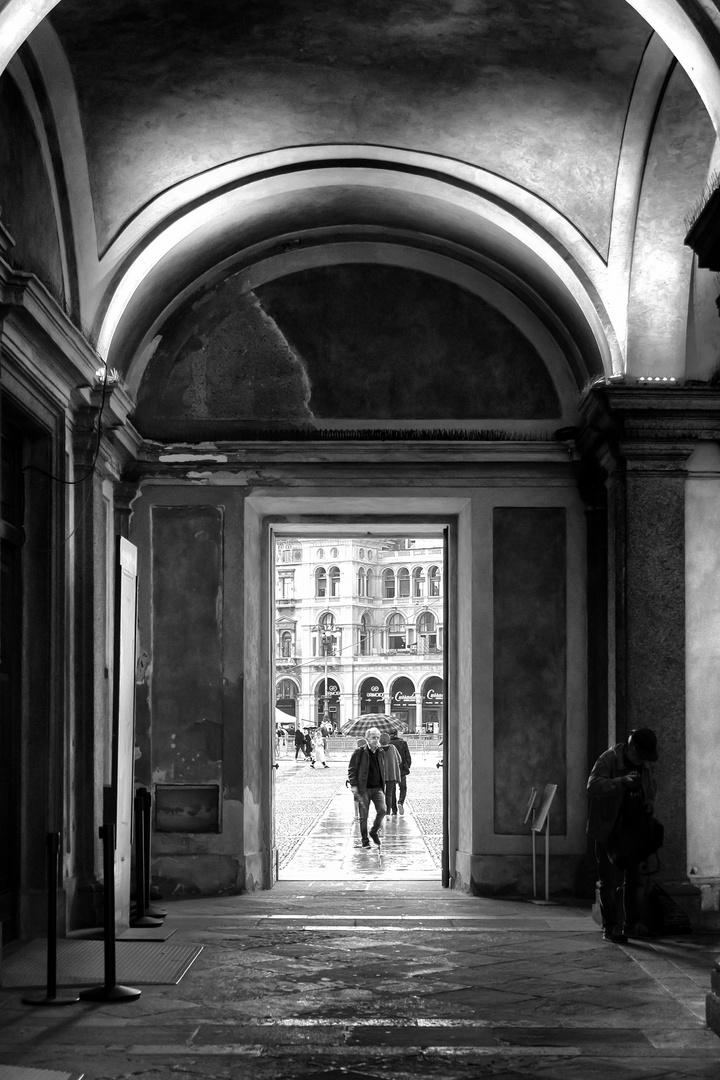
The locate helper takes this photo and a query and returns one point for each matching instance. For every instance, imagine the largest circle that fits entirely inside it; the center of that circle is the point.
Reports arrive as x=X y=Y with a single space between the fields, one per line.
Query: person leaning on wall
x=621 y=789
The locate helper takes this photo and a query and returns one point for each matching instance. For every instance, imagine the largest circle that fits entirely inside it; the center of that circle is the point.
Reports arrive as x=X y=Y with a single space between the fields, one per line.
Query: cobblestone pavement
x=303 y=795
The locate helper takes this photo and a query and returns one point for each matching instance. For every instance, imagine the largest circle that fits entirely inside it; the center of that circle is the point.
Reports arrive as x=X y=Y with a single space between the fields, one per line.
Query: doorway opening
x=359 y=639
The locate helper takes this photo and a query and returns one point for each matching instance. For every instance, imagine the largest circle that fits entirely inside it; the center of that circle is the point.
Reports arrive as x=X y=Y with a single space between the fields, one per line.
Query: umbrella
x=384 y=722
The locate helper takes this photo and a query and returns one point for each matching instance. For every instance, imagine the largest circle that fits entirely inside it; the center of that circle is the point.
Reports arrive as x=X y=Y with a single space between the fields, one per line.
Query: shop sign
x=371 y=691
x=433 y=695
x=333 y=690
x=404 y=693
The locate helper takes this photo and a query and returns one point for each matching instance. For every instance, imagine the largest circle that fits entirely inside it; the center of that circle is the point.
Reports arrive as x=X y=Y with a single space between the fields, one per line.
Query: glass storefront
x=402 y=701
x=372 y=696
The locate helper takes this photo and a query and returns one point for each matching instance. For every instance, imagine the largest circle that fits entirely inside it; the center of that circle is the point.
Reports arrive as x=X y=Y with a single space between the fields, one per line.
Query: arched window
x=427 y=633
x=433 y=581
x=371 y=582
x=396 y=631
x=333 y=553
x=361 y=581
x=364 y=636
x=287 y=689
x=388 y=580
x=334 y=581
x=320 y=581
x=418 y=581
x=403 y=582
x=286 y=643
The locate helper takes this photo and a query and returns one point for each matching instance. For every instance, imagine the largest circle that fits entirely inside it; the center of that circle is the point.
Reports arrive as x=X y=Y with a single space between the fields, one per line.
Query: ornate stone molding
x=650 y=428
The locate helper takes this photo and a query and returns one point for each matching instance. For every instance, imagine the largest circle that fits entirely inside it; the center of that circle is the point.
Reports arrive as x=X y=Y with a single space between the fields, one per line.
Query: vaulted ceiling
x=541 y=156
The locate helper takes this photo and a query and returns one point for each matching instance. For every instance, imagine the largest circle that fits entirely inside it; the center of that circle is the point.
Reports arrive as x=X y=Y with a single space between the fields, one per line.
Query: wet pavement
x=332 y=849
x=376 y=974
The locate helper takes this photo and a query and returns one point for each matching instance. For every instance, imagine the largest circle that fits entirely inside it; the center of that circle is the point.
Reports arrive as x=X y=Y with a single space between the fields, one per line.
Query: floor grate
x=81 y=963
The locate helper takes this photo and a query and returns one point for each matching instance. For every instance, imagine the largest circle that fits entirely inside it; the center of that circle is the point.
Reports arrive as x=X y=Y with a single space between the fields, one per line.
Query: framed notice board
x=123 y=731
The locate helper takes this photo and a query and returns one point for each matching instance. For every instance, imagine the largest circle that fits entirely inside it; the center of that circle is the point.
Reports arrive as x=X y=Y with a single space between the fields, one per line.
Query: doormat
x=82 y=963
x=19 y=1072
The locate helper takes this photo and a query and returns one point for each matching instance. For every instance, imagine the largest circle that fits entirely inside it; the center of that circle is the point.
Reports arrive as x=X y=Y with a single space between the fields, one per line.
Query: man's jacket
x=606 y=790
x=359 y=765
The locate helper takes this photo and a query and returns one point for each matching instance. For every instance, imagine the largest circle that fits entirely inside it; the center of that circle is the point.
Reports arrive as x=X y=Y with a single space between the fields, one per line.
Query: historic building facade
x=359 y=628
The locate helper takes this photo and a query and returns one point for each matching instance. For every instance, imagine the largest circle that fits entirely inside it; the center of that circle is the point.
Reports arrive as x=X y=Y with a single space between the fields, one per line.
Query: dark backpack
x=634 y=839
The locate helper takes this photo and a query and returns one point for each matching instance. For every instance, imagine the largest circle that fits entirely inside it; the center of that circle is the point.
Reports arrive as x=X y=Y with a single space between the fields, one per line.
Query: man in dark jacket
x=299 y=742
x=621 y=776
x=405 y=762
x=366 y=776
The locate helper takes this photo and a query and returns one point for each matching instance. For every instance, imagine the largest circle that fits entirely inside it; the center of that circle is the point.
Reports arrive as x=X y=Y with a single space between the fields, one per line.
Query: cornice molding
x=25 y=299
x=654 y=428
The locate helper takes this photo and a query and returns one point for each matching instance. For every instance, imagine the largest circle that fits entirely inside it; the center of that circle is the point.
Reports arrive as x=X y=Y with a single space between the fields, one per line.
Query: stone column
x=418 y=713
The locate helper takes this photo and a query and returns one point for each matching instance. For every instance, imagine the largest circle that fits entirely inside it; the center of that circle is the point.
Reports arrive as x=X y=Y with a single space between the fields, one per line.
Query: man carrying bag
x=622 y=790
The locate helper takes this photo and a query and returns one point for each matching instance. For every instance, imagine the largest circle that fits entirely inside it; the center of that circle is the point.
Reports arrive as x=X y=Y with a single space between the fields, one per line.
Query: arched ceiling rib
x=310 y=205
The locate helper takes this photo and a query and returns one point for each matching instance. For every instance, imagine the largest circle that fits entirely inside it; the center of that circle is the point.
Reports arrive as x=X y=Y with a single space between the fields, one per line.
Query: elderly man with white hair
x=366 y=776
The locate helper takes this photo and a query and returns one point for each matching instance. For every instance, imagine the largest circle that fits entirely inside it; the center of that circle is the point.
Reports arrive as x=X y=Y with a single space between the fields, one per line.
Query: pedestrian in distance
x=621 y=789
x=392 y=774
x=405 y=762
x=320 y=752
x=299 y=742
x=310 y=748
x=366 y=776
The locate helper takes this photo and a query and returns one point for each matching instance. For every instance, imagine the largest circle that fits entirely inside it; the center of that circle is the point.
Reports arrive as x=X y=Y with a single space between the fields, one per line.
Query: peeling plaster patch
x=193 y=457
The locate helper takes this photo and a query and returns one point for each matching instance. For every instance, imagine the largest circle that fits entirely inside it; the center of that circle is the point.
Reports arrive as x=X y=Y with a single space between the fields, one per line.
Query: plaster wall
x=675 y=175
x=483 y=857
x=26 y=204
x=702 y=561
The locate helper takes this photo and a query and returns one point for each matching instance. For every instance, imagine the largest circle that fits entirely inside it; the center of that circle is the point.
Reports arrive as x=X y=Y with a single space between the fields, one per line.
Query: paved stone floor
x=377 y=975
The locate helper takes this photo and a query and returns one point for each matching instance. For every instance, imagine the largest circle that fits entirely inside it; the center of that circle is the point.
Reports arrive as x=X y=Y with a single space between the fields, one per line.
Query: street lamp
x=326 y=639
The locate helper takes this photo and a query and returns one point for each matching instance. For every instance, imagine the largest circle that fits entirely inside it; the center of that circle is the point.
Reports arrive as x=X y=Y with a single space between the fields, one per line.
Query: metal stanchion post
x=141 y=919
x=150 y=909
x=52 y=841
x=109 y=991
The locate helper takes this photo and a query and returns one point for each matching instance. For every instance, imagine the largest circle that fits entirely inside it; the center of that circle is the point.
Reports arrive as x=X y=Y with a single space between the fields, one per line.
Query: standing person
x=366 y=776
x=405 y=762
x=392 y=774
x=299 y=741
x=621 y=782
x=309 y=748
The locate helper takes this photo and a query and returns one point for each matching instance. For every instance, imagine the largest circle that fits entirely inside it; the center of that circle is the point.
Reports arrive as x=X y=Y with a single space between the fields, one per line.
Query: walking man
x=299 y=742
x=621 y=779
x=405 y=762
x=366 y=776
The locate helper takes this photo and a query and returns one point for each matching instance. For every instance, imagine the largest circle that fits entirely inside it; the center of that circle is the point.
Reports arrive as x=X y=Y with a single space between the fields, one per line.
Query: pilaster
x=642 y=436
